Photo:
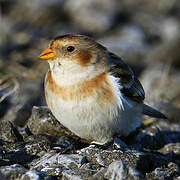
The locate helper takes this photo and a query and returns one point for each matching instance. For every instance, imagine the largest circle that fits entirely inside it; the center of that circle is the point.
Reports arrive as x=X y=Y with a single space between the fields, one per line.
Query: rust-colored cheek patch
x=97 y=86
x=84 y=57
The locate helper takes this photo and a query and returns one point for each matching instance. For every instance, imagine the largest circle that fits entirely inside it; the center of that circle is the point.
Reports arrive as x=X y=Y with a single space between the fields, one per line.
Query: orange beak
x=47 y=54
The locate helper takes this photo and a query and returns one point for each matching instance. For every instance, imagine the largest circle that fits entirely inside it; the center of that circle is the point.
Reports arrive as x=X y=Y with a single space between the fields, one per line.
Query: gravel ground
x=33 y=145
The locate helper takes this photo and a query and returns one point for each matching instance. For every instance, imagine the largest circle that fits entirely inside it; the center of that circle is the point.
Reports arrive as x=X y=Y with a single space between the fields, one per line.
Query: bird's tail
x=147 y=110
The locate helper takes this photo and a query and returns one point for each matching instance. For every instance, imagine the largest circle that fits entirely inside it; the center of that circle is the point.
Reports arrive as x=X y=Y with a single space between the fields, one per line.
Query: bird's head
x=75 y=54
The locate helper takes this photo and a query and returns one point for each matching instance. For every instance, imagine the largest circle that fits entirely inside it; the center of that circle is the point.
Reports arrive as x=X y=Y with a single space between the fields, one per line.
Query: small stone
x=43 y=122
x=8 y=132
x=106 y=157
x=120 y=171
x=171 y=147
x=100 y=174
x=33 y=148
x=14 y=171
x=57 y=163
x=36 y=175
x=169 y=172
x=37 y=144
x=142 y=161
x=79 y=174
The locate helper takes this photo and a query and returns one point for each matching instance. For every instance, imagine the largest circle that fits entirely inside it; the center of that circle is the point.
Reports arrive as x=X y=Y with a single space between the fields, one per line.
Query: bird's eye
x=70 y=48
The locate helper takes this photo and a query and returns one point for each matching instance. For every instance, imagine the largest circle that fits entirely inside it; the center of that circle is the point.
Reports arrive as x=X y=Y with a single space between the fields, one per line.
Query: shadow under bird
x=92 y=91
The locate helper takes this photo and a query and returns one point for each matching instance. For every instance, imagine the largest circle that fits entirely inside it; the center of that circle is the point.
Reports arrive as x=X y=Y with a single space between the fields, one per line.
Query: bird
x=91 y=90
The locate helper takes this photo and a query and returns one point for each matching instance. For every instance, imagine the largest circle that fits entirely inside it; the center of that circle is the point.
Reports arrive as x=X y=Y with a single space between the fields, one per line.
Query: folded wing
x=130 y=85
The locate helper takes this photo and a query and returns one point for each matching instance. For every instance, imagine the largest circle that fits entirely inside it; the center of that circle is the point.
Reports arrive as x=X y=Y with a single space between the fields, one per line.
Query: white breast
x=91 y=120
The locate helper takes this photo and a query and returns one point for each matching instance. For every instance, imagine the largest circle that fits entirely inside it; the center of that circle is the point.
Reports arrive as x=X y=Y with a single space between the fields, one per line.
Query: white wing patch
x=117 y=87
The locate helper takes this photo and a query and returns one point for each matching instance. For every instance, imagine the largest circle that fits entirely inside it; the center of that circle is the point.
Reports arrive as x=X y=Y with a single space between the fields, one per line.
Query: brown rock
x=8 y=132
x=43 y=122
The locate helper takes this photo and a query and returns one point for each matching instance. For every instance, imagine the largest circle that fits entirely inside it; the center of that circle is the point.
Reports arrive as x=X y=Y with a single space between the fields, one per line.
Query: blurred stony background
x=146 y=34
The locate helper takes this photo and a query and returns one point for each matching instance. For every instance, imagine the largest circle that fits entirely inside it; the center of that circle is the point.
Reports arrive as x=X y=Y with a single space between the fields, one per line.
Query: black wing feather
x=130 y=85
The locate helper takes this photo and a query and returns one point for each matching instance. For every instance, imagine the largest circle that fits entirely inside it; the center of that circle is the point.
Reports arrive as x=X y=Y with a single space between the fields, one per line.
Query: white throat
x=69 y=74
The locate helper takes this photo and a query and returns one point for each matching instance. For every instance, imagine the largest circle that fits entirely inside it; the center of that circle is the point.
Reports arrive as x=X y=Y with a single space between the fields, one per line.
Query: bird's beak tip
x=47 y=54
